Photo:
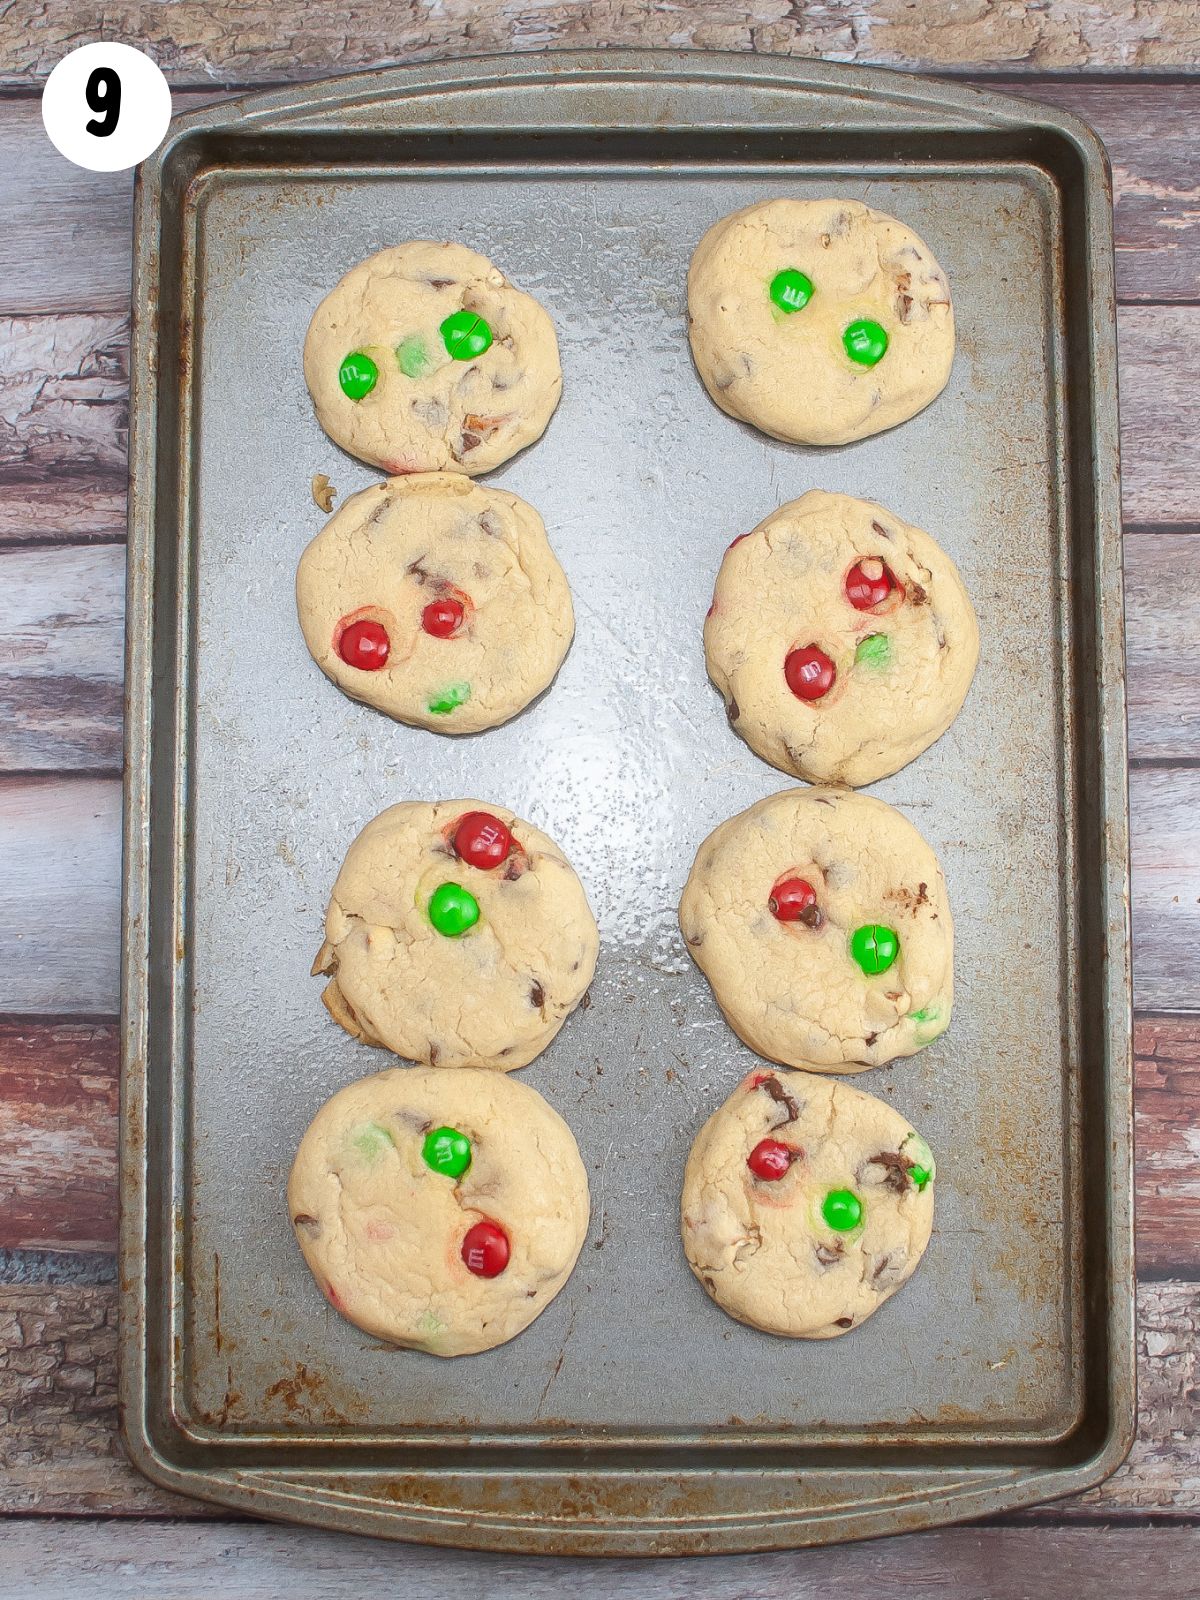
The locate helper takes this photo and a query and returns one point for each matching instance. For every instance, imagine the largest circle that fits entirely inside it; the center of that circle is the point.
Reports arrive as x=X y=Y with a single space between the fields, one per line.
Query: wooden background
x=75 y=1515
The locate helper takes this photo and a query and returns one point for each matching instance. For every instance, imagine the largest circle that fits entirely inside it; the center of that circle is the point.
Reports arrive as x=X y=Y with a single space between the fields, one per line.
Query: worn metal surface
x=632 y=1416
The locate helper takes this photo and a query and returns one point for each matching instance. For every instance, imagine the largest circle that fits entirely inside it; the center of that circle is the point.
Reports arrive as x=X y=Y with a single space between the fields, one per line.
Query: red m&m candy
x=485 y=1249
x=443 y=618
x=868 y=584
x=794 y=900
x=364 y=645
x=482 y=840
x=770 y=1159
x=809 y=672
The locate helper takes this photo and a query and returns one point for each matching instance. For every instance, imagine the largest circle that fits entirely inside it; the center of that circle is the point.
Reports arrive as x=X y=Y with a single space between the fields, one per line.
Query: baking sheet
x=998 y=1357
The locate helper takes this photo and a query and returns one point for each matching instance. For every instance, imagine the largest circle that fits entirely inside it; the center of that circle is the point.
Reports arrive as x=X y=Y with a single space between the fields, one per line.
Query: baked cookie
x=439 y=1210
x=819 y=321
x=456 y=935
x=424 y=357
x=437 y=601
x=842 y=639
x=820 y=919
x=806 y=1204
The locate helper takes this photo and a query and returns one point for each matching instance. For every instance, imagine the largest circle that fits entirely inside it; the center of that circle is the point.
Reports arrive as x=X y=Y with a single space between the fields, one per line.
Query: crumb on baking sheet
x=323 y=492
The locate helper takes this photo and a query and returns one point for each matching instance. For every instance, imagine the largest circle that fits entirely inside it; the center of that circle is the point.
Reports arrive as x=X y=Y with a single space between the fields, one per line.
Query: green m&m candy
x=371 y=1140
x=449 y=699
x=921 y=1156
x=865 y=342
x=874 y=947
x=465 y=335
x=842 y=1210
x=447 y=1151
x=874 y=651
x=357 y=375
x=791 y=290
x=453 y=910
x=412 y=357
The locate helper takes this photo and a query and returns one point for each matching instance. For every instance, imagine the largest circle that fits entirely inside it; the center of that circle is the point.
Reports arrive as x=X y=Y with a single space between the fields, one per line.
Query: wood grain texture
x=64 y=391
x=1160 y=413
x=58 y=1133
x=67 y=240
x=1162 y=612
x=66 y=243
x=1167 y=1111
x=1149 y=132
x=1166 y=888
x=60 y=868
x=61 y=651
x=250 y=1561
x=256 y=41
x=59 y=1449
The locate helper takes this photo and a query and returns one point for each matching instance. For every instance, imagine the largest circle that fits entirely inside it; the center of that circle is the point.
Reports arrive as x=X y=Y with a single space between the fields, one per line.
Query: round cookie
x=437 y=601
x=806 y=1204
x=439 y=1210
x=821 y=920
x=425 y=358
x=842 y=639
x=456 y=935
x=819 y=321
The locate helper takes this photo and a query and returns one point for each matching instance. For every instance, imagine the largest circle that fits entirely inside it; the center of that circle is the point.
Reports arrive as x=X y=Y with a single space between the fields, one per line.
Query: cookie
x=819 y=321
x=439 y=1210
x=821 y=920
x=456 y=935
x=806 y=1204
x=842 y=639
x=425 y=358
x=437 y=601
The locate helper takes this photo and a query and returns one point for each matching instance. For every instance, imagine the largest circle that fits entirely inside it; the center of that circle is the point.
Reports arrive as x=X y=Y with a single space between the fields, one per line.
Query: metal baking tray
x=633 y=1417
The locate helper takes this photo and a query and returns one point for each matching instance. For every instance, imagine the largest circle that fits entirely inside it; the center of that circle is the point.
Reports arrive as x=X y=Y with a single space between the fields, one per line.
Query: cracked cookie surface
x=470 y=610
x=812 y=1241
x=778 y=295
x=490 y=993
x=388 y=1222
x=383 y=380
x=833 y=577
x=852 y=969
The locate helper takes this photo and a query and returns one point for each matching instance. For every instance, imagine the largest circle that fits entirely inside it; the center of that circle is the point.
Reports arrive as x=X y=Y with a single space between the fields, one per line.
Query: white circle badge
x=106 y=107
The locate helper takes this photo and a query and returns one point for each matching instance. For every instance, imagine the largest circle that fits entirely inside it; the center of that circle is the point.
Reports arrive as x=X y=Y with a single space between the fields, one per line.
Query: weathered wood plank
x=1164 y=806
x=66 y=244
x=254 y=1561
x=67 y=240
x=1148 y=129
x=59 y=1449
x=61 y=648
x=63 y=418
x=60 y=870
x=255 y=41
x=1160 y=414
x=60 y=861
x=1167 y=1108
x=63 y=414
x=1162 y=612
x=1161 y=1473
x=58 y=1132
